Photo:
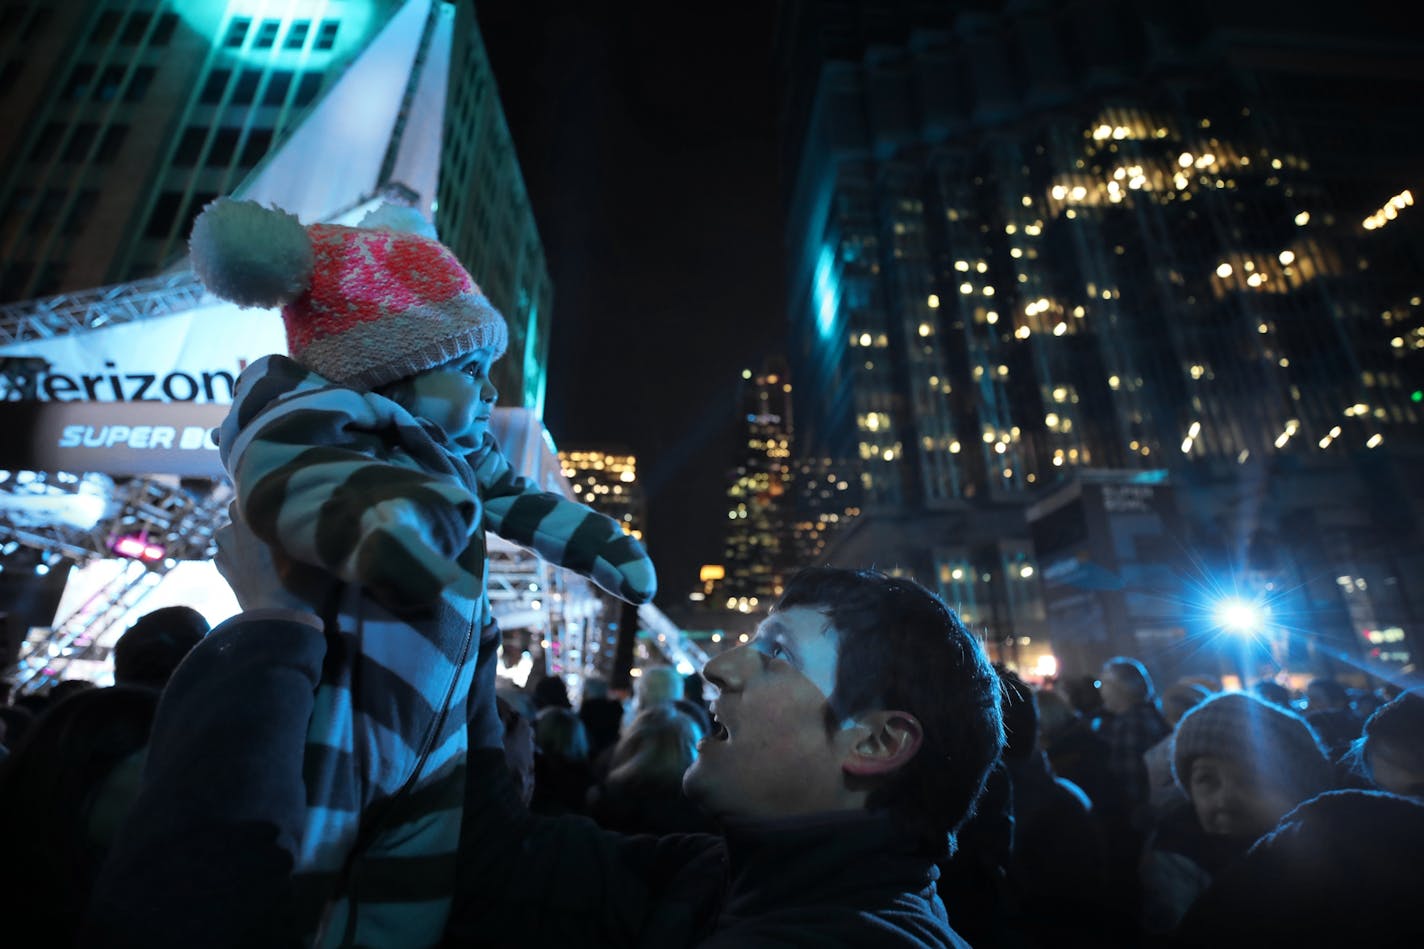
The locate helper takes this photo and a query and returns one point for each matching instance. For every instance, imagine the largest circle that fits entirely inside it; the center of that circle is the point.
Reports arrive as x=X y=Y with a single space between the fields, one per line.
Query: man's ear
x=888 y=740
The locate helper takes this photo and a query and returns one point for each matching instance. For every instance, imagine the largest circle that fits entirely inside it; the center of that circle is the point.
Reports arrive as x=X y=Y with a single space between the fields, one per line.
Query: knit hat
x=1269 y=740
x=363 y=306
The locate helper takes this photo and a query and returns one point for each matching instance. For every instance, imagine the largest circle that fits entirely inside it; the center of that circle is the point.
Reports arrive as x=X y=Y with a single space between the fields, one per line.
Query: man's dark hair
x=901 y=648
x=1020 y=710
x=148 y=652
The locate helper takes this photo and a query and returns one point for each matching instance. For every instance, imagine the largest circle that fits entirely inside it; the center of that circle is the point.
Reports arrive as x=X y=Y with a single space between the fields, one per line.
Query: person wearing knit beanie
x=1244 y=763
x=366 y=477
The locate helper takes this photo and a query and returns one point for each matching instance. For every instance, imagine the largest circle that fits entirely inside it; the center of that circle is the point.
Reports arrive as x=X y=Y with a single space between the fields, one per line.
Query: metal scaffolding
x=49 y=317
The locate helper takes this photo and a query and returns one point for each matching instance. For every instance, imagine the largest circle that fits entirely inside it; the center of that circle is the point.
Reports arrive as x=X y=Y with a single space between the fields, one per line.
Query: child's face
x=457 y=397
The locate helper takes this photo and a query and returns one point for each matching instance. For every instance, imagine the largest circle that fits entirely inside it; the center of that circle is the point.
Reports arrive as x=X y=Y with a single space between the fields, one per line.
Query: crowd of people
x=1114 y=815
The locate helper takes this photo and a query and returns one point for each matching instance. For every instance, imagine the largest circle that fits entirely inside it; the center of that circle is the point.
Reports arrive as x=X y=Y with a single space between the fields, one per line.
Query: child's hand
x=256 y=578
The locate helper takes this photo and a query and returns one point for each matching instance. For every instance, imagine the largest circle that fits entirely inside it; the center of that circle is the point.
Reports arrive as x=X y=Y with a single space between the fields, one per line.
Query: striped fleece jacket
x=350 y=488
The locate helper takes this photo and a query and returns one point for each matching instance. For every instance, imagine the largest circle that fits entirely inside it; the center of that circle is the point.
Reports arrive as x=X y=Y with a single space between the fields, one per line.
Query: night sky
x=649 y=151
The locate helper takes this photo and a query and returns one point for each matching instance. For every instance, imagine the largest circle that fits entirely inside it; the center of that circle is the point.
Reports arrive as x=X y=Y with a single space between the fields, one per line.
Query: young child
x=365 y=462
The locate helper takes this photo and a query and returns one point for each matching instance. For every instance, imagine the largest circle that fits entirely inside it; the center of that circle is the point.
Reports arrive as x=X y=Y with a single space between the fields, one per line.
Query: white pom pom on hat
x=251 y=255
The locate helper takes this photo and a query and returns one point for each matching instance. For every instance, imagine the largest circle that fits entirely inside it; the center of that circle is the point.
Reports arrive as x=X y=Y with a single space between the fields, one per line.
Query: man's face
x=457 y=397
x=771 y=756
x=1118 y=696
x=1233 y=801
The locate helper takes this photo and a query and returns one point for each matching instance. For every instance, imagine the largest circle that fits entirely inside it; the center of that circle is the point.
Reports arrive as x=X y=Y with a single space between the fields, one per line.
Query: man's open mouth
x=719 y=731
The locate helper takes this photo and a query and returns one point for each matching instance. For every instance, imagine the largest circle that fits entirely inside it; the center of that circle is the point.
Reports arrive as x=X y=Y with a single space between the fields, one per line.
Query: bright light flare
x=1239 y=616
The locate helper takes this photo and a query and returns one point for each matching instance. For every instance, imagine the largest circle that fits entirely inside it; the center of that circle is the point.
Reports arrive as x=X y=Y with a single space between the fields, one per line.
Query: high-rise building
x=1028 y=239
x=607 y=481
x=757 y=548
x=826 y=499
x=127 y=118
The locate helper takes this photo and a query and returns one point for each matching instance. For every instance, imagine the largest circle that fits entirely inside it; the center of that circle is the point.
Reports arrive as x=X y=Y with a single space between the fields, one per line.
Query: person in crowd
x=63 y=795
x=1058 y=862
x=562 y=775
x=551 y=692
x=1084 y=694
x=602 y=716
x=65 y=688
x=1242 y=763
x=1390 y=752
x=520 y=751
x=1327 y=708
x=1131 y=724
x=365 y=464
x=975 y=883
x=657 y=685
x=1365 y=702
x=1341 y=869
x=1075 y=752
x=642 y=793
x=518 y=699
x=149 y=650
x=854 y=734
x=1162 y=790
x=1273 y=692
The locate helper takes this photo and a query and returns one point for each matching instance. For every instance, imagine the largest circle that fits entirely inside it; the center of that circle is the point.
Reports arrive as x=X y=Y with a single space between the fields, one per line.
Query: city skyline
x=1128 y=254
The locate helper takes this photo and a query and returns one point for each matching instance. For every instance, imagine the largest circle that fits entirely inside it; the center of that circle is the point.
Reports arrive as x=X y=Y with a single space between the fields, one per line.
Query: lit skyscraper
x=757 y=552
x=1029 y=238
x=826 y=499
x=607 y=481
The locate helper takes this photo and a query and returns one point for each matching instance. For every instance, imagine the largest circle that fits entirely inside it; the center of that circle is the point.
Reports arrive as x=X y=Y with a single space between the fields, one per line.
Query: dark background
x=647 y=137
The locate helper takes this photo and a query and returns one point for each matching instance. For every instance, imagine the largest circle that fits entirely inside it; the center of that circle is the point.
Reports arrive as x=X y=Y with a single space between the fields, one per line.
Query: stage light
x=137 y=547
x=1239 y=616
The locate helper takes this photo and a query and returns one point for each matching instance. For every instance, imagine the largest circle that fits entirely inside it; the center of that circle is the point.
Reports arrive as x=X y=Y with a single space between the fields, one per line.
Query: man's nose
x=727 y=671
x=489 y=393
